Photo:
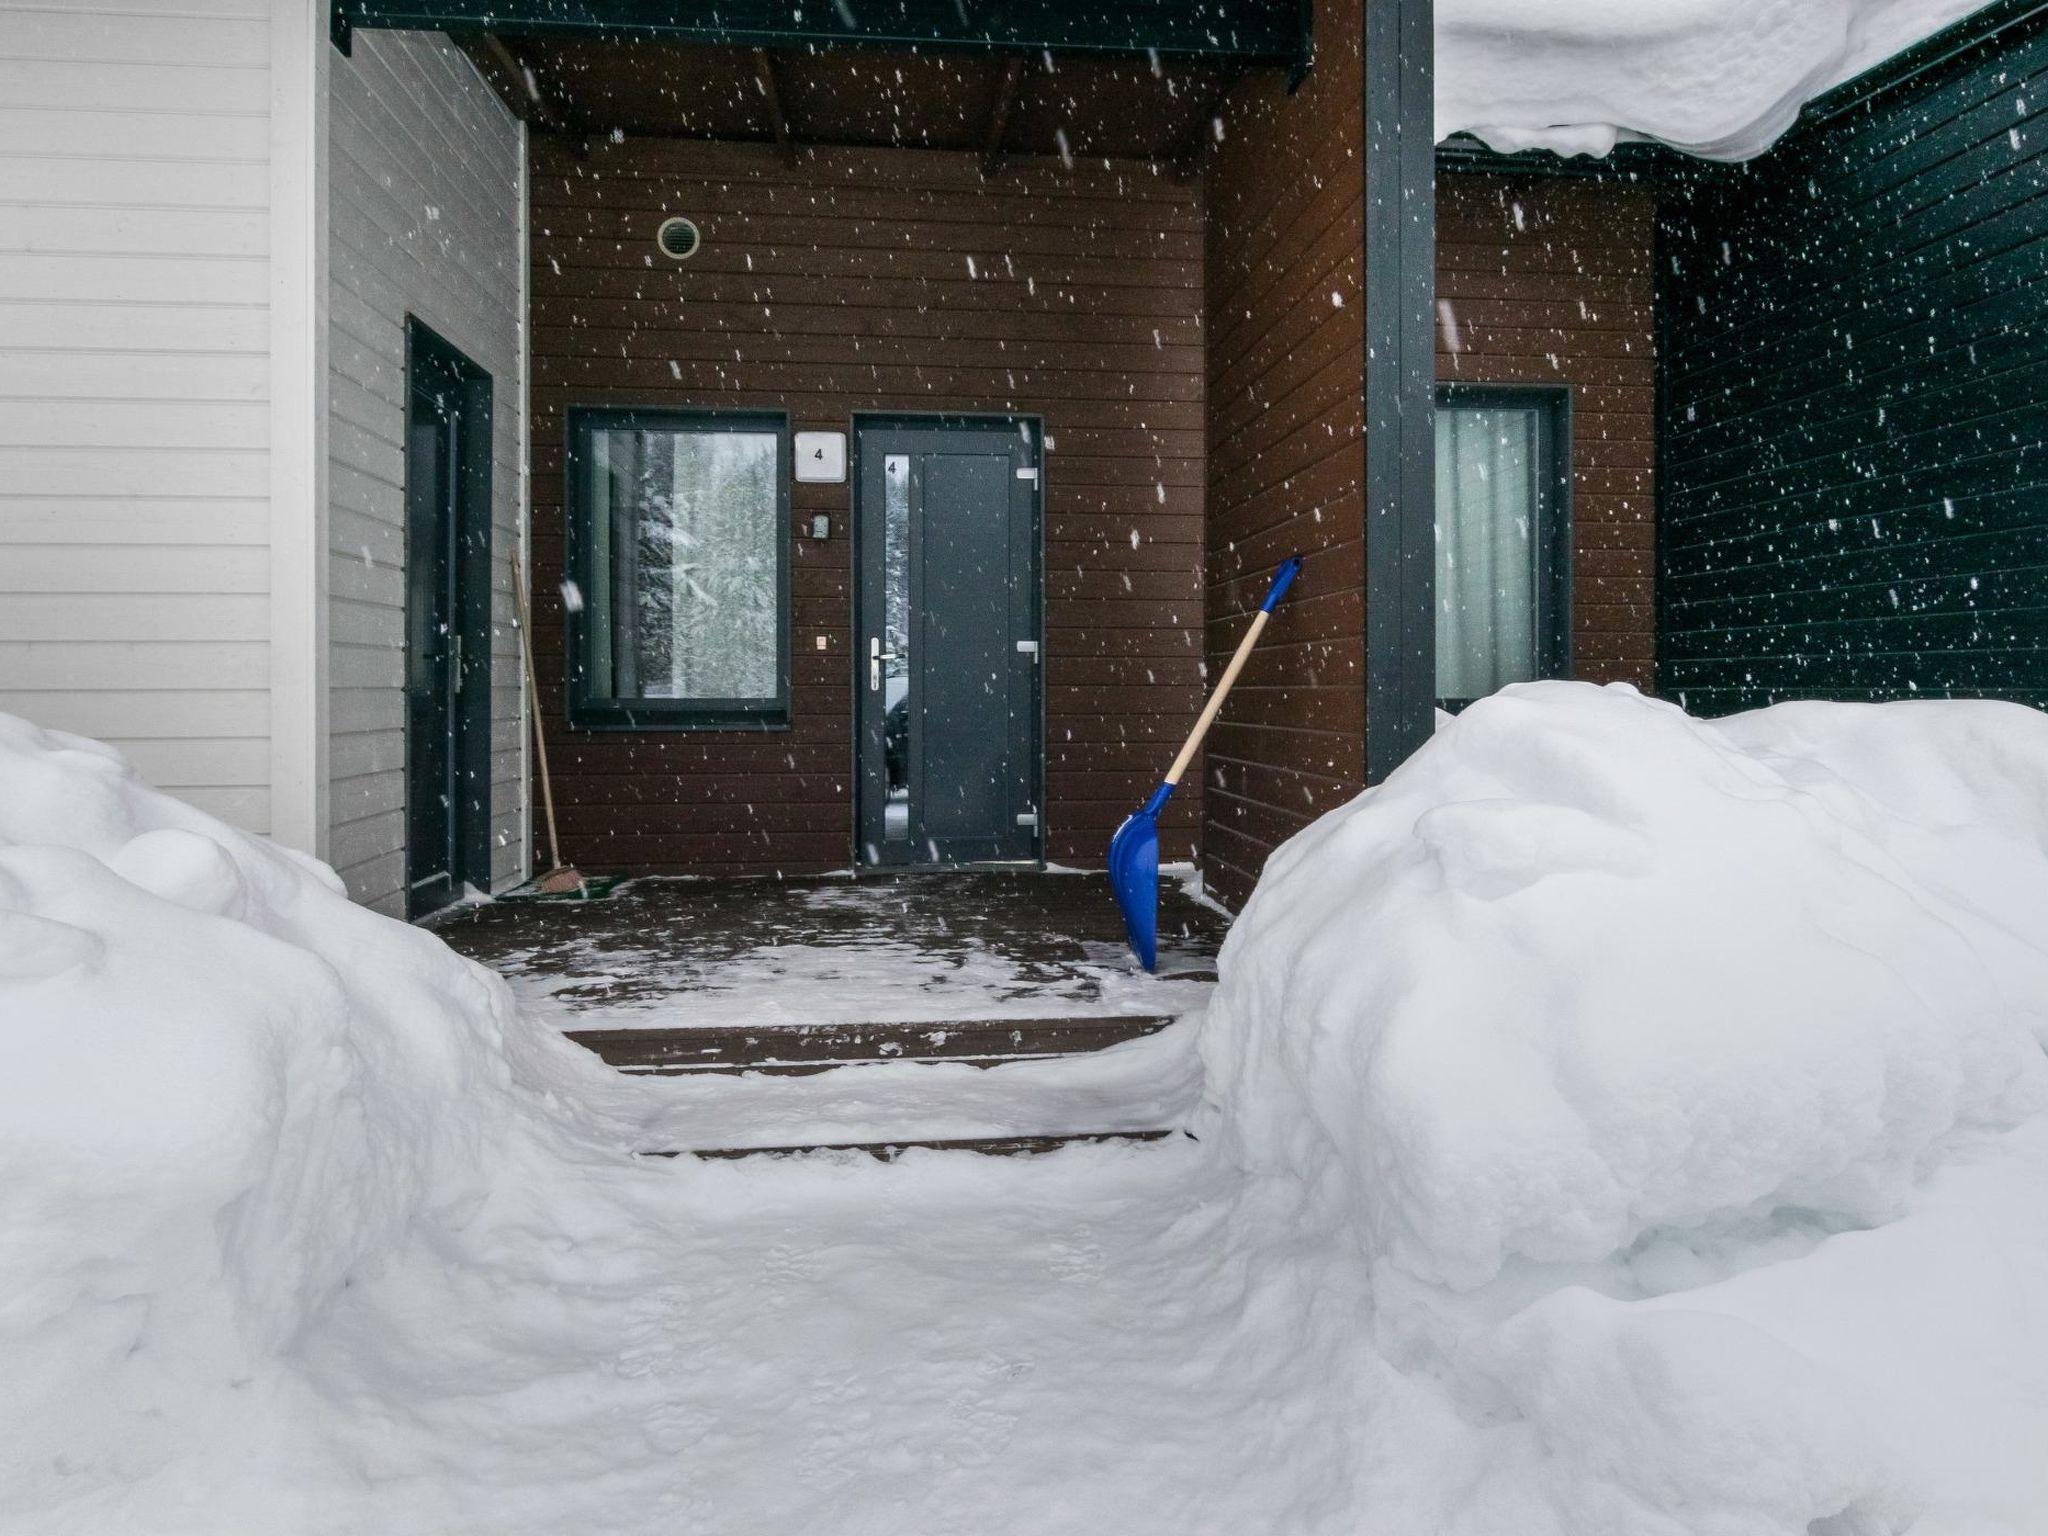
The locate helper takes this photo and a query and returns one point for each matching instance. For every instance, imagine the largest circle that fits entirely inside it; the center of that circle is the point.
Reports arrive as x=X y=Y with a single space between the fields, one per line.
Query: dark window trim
x=1553 y=510
x=591 y=713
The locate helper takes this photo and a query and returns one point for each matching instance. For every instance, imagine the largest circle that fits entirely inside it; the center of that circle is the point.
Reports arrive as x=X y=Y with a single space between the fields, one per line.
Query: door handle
x=876 y=656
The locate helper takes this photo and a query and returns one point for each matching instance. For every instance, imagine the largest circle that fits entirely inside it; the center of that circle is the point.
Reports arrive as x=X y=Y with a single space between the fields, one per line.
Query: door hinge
x=1028 y=648
x=1027 y=819
x=1028 y=474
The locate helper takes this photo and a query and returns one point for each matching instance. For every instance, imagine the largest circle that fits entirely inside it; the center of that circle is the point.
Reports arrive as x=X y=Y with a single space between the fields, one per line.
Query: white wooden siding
x=134 y=385
x=425 y=167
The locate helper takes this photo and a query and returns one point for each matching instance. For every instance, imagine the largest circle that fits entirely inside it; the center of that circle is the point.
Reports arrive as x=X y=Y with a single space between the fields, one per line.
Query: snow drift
x=1618 y=1124
x=1593 y=1003
x=226 y=1088
x=1717 y=78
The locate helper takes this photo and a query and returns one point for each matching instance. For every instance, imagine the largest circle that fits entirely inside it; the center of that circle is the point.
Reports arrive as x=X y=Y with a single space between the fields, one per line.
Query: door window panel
x=895 y=655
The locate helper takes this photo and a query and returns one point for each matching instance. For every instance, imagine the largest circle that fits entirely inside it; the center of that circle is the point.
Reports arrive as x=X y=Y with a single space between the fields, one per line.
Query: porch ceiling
x=987 y=103
x=1248 y=32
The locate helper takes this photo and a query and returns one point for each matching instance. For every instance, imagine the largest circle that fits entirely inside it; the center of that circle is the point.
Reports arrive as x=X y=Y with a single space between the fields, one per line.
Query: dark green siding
x=1854 y=345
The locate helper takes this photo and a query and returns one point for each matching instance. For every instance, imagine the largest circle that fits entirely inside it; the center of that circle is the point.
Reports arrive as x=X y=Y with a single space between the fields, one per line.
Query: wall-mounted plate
x=821 y=456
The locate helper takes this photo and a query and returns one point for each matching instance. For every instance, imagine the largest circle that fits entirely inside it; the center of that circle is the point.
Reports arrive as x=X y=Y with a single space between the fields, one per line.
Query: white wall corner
x=299 y=51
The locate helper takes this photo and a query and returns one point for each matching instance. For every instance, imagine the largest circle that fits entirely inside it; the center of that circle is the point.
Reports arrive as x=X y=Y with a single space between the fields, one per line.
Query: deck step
x=889 y=1151
x=726 y=1048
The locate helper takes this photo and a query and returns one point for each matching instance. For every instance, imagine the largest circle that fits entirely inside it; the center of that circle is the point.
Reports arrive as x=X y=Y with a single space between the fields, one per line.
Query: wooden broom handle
x=1215 y=704
x=540 y=739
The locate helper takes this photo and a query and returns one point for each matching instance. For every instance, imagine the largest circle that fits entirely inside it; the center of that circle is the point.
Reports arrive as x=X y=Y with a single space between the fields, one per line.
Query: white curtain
x=1485 y=549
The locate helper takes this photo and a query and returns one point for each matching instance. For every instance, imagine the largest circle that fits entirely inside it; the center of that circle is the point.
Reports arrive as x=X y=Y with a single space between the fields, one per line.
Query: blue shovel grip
x=1282 y=580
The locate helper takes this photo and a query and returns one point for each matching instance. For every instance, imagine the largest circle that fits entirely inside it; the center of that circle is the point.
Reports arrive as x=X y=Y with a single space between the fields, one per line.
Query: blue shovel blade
x=1134 y=876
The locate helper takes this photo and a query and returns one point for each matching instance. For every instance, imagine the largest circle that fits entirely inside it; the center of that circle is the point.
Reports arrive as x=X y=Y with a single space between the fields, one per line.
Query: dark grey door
x=948 y=635
x=447 y=623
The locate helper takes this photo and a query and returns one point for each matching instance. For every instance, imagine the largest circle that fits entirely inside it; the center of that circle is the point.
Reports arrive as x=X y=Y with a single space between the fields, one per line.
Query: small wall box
x=821 y=456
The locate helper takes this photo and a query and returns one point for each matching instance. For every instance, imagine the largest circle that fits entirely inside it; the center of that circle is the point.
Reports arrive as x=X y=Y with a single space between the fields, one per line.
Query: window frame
x=1552 y=404
x=591 y=711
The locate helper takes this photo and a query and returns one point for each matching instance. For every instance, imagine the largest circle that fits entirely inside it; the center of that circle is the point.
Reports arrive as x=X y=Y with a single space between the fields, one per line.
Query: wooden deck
x=791 y=977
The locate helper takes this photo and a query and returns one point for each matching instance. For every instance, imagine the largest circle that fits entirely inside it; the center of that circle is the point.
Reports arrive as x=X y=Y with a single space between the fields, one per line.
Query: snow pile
x=1717 y=78
x=1619 y=1125
x=226 y=1088
x=1671 y=1076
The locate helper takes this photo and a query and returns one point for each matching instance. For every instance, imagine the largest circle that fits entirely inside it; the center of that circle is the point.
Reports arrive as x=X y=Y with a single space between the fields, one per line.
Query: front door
x=447 y=622
x=948 y=629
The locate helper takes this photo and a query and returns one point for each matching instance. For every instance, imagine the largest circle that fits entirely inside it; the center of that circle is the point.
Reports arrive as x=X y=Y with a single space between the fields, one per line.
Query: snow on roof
x=1721 y=79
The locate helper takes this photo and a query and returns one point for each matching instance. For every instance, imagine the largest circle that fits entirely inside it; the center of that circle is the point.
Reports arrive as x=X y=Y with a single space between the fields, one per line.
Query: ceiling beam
x=1186 y=156
x=1253 y=32
x=769 y=82
x=525 y=95
x=999 y=118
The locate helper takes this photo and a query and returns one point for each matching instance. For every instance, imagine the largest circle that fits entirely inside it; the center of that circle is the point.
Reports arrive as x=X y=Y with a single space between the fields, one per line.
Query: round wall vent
x=678 y=239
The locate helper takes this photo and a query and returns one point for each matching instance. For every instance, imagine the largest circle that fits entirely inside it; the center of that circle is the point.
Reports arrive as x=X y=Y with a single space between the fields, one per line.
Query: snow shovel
x=1134 y=851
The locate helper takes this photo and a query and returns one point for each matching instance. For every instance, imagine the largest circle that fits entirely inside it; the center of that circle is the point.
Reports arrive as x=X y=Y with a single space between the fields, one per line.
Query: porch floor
x=798 y=975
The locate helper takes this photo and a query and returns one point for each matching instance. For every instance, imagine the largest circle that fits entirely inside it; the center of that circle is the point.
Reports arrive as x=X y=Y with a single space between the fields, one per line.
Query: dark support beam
x=769 y=83
x=1297 y=73
x=999 y=118
x=526 y=95
x=514 y=81
x=1186 y=156
x=1400 y=382
x=1252 y=32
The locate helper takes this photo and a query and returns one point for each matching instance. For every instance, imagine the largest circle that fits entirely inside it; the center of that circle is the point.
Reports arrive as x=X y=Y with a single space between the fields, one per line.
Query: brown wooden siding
x=1286 y=441
x=1544 y=281
x=1540 y=281
x=887 y=280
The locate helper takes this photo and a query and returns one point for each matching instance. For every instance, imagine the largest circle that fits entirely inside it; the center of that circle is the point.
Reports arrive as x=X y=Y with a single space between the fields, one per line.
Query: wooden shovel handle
x=1215 y=704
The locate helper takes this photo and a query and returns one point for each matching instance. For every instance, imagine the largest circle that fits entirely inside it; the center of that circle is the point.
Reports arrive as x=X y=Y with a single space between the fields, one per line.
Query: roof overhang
x=1261 y=33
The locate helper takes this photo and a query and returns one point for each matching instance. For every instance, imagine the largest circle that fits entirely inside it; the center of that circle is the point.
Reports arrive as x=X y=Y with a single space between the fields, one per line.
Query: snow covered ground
x=1616 y=1123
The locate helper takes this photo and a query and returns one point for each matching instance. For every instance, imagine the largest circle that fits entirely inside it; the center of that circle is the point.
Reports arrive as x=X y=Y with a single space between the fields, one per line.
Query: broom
x=560 y=879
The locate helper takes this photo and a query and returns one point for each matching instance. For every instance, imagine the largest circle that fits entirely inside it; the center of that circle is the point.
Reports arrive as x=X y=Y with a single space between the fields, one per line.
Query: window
x=1503 y=562
x=679 y=570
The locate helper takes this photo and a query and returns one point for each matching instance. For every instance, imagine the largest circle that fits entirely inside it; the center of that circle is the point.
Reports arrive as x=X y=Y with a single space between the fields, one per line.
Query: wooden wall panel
x=1285 y=190
x=1548 y=281
x=1541 y=281
x=887 y=280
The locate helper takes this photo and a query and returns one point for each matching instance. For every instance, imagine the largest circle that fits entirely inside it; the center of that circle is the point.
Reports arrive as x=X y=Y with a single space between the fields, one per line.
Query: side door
x=447 y=622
